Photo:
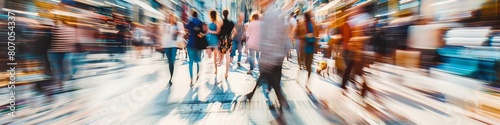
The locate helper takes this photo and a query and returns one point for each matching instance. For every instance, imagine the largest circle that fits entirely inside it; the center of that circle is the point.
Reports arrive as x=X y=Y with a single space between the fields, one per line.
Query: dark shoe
x=249 y=96
x=308 y=90
x=239 y=65
x=250 y=72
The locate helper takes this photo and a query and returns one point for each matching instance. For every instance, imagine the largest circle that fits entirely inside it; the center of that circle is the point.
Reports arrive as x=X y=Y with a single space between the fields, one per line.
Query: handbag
x=201 y=41
x=200 y=38
x=181 y=43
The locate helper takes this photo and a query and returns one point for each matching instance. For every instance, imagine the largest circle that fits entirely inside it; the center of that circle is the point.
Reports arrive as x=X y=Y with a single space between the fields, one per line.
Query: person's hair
x=173 y=19
x=307 y=17
x=255 y=17
x=195 y=14
x=368 y=7
x=213 y=15
x=225 y=13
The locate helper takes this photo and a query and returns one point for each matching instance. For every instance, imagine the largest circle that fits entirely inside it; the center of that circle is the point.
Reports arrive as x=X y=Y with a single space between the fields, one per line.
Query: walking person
x=43 y=43
x=122 y=36
x=64 y=40
x=213 y=38
x=275 y=33
x=238 y=38
x=225 y=44
x=172 y=36
x=138 y=39
x=353 y=36
x=300 y=46
x=307 y=32
x=195 y=45
x=253 y=32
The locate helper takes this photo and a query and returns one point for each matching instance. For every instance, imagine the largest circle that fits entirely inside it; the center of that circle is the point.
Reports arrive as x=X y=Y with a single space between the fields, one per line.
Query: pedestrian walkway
x=212 y=101
x=137 y=93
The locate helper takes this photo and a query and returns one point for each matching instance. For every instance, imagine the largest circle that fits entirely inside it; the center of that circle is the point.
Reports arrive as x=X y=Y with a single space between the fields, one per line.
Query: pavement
x=126 y=90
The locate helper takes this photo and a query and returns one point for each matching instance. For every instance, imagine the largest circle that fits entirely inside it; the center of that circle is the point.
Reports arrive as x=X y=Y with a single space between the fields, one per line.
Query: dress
x=225 y=41
x=225 y=45
x=212 y=38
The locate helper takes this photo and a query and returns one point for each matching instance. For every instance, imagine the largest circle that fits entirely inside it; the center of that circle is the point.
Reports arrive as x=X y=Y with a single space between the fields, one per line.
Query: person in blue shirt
x=194 y=53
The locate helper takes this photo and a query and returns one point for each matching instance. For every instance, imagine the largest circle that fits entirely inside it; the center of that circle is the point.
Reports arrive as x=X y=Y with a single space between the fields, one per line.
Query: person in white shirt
x=172 y=38
x=138 y=39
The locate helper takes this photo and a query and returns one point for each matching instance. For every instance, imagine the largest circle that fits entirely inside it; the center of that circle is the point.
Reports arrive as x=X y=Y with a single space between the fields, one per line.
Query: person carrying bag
x=171 y=41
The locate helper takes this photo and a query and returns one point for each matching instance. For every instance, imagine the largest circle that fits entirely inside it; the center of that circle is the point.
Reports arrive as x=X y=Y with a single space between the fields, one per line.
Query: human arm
x=217 y=31
x=234 y=33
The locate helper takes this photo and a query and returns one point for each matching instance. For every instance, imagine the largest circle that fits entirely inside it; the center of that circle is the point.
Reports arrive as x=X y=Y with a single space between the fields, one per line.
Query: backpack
x=199 y=38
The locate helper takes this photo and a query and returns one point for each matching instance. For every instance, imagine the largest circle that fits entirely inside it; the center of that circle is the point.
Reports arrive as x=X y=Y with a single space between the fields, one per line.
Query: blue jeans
x=171 y=54
x=253 y=55
x=194 y=57
x=60 y=64
x=236 y=45
x=77 y=61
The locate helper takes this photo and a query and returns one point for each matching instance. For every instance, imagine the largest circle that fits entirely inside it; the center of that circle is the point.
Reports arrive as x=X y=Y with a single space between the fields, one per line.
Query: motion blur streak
x=250 y=62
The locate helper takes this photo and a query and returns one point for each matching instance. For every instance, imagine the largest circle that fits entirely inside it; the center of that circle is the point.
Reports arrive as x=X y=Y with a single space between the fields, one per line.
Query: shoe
x=249 y=72
x=191 y=84
x=270 y=104
x=239 y=65
x=308 y=90
x=226 y=76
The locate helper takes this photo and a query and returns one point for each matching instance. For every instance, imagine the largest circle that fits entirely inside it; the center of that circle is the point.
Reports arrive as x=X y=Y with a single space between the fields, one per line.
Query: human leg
x=251 y=59
x=228 y=63
x=308 y=64
x=240 y=46
x=192 y=59
x=171 y=54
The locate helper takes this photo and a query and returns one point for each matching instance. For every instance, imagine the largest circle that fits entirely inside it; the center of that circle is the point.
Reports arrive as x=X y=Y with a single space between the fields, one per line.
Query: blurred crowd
x=52 y=47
